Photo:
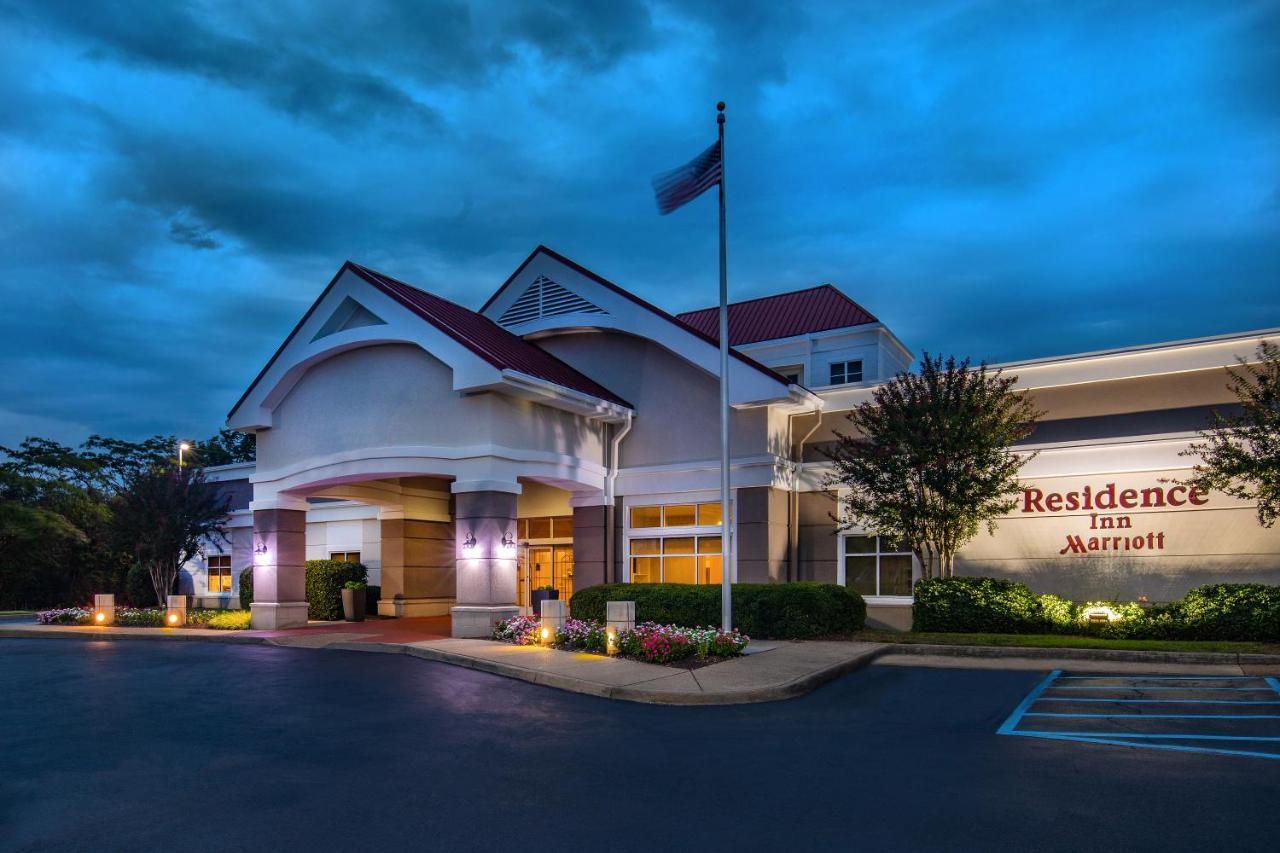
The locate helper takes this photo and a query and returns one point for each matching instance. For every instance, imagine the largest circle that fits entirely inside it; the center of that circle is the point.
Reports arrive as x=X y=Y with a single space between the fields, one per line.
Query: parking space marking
x=1036 y=704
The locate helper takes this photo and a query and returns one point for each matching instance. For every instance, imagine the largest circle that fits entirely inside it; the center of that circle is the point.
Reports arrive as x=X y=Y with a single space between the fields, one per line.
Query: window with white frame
x=219 y=572
x=845 y=372
x=345 y=556
x=675 y=543
x=876 y=565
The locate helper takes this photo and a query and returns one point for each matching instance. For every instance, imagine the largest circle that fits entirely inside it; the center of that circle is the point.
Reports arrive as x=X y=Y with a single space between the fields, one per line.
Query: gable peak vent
x=545 y=298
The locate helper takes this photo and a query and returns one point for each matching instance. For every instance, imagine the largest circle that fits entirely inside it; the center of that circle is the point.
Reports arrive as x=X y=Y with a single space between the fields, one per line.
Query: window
x=545 y=527
x=793 y=373
x=676 y=559
x=345 y=556
x=875 y=565
x=219 y=572
x=676 y=515
x=844 y=372
x=690 y=553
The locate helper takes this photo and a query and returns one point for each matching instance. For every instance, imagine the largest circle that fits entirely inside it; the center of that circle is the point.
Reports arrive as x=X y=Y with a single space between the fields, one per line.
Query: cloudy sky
x=178 y=181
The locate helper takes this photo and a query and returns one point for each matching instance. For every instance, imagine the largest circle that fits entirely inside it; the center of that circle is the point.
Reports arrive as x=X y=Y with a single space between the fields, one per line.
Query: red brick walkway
x=405 y=630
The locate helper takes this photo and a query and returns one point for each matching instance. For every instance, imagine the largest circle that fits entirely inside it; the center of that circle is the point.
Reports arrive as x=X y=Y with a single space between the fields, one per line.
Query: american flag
x=680 y=186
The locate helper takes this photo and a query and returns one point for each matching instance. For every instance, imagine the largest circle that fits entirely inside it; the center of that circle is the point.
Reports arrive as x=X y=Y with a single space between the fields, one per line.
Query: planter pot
x=541 y=595
x=353 y=604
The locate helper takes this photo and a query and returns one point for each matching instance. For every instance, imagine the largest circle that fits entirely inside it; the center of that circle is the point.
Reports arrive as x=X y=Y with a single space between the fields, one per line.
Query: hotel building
x=567 y=434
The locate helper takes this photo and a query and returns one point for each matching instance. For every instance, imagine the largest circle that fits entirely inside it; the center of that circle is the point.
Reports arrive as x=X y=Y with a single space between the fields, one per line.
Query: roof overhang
x=305 y=347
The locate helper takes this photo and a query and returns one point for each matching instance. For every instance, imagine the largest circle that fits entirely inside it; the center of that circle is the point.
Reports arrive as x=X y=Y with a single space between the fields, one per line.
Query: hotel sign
x=1104 y=510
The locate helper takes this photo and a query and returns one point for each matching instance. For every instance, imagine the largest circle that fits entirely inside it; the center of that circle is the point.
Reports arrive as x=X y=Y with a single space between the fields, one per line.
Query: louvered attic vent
x=545 y=298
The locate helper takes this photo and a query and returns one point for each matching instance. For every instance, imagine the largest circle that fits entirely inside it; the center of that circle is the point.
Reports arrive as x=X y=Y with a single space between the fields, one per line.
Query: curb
x=1117 y=655
x=788 y=690
x=77 y=633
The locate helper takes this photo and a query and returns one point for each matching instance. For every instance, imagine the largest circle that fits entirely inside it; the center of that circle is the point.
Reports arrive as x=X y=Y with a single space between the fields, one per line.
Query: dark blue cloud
x=1001 y=180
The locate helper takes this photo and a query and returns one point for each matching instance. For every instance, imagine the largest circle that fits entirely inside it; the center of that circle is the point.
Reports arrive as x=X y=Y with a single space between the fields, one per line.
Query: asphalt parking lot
x=131 y=745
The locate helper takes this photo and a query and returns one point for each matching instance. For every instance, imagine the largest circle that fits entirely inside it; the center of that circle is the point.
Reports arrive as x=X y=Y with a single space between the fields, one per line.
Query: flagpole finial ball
x=720 y=106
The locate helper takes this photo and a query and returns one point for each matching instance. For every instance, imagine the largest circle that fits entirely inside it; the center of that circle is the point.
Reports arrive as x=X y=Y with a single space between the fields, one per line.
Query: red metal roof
x=485 y=338
x=815 y=309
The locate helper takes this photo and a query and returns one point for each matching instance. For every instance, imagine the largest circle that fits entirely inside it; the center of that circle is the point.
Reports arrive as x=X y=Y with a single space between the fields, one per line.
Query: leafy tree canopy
x=929 y=459
x=1240 y=454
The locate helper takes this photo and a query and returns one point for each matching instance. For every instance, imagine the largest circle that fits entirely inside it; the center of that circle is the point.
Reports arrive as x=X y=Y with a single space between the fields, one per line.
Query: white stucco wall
x=399 y=396
x=677 y=404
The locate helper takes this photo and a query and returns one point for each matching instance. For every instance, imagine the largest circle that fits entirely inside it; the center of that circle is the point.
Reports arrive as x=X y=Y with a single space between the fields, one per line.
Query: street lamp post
x=183 y=446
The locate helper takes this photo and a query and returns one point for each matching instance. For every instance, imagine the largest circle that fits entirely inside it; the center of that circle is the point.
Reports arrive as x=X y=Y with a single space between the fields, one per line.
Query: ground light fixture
x=545 y=634
x=1100 y=613
x=611 y=641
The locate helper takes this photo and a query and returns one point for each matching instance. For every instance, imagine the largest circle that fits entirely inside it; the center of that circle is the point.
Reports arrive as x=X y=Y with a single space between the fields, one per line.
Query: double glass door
x=544 y=565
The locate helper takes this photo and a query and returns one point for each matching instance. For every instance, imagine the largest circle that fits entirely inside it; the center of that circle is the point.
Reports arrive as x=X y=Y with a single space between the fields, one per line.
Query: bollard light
x=175 y=612
x=611 y=641
x=545 y=633
x=104 y=609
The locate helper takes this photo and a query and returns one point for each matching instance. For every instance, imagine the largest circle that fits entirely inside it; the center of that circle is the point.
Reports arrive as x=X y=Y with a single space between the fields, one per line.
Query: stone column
x=762 y=535
x=486 y=568
x=589 y=557
x=279 y=563
x=417 y=565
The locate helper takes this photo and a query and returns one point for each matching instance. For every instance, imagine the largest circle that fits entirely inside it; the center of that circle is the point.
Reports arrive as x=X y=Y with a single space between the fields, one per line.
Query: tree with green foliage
x=930 y=458
x=1240 y=454
x=226 y=448
x=57 y=539
x=163 y=515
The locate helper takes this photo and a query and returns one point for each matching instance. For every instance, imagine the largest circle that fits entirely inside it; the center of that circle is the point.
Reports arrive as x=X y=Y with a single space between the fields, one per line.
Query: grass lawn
x=1061 y=641
x=17 y=613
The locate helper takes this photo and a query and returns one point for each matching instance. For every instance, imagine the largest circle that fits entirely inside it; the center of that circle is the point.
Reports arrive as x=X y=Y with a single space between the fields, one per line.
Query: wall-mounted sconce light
x=507 y=547
x=260 y=552
x=469 y=543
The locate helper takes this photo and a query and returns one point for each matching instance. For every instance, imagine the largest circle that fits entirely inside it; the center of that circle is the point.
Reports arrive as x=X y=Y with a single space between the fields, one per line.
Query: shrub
x=140 y=617
x=973 y=605
x=1058 y=613
x=520 y=630
x=229 y=620
x=65 y=616
x=1230 y=611
x=325 y=580
x=768 y=611
x=581 y=634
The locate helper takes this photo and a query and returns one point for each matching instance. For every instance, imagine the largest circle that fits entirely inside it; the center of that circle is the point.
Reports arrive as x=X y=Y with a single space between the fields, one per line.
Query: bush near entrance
x=324 y=580
x=790 y=611
x=1226 y=611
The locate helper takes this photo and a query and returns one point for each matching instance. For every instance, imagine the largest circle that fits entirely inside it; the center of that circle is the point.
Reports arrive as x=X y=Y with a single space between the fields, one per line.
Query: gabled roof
x=494 y=344
x=648 y=306
x=478 y=334
x=783 y=315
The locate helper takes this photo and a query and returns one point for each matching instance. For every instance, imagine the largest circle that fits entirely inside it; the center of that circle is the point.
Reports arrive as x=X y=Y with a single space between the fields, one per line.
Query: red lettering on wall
x=1199 y=497
x=1031 y=500
x=1176 y=501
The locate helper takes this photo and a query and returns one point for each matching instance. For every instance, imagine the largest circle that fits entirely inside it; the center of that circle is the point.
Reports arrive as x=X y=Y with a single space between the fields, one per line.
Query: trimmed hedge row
x=791 y=611
x=1224 y=611
x=324 y=581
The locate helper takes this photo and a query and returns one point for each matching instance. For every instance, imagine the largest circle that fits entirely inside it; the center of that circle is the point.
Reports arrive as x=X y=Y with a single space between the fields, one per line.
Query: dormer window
x=846 y=372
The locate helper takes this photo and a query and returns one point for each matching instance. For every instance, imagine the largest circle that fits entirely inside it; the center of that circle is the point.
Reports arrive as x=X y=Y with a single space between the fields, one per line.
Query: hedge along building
x=567 y=434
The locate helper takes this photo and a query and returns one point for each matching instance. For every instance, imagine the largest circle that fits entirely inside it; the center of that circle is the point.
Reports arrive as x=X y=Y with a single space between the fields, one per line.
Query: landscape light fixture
x=182 y=448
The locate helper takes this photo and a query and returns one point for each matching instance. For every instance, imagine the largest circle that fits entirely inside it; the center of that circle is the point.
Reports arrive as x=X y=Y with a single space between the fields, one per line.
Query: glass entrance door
x=544 y=565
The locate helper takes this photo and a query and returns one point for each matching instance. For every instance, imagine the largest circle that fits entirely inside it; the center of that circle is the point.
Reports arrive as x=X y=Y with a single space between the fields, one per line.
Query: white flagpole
x=726 y=525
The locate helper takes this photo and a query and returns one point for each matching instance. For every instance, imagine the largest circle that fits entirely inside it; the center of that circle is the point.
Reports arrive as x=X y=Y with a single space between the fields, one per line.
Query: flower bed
x=148 y=617
x=648 y=642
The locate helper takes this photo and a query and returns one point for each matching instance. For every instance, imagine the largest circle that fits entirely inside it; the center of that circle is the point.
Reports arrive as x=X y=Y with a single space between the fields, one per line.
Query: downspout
x=610 y=512
x=793 y=526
